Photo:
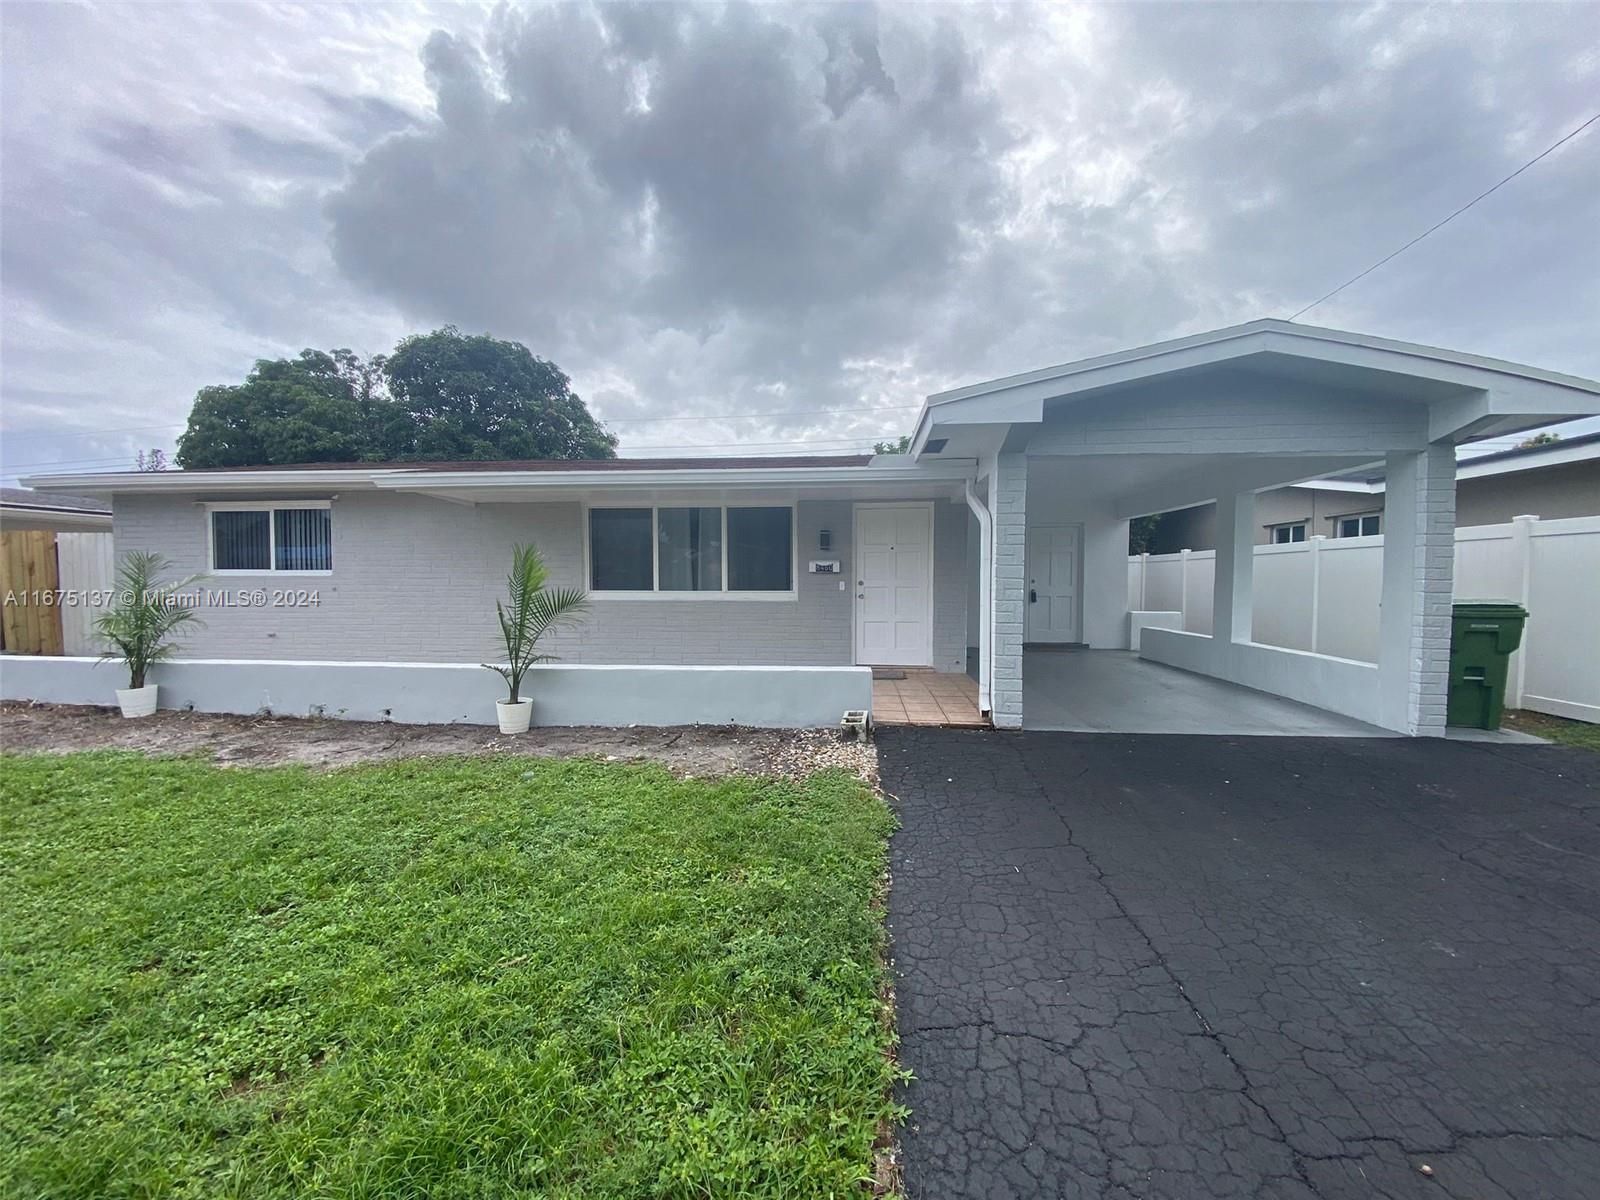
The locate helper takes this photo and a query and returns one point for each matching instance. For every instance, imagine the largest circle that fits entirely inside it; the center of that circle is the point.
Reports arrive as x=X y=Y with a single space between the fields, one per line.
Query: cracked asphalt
x=1161 y=966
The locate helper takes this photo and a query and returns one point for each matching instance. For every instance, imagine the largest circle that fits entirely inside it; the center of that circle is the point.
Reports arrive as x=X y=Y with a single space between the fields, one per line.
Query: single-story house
x=1550 y=480
x=761 y=590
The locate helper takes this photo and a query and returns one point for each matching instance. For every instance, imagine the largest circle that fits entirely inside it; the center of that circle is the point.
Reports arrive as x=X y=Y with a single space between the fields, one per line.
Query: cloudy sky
x=766 y=228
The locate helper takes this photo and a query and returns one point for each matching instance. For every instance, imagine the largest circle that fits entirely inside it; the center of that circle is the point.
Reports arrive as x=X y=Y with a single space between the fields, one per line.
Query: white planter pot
x=514 y=718
x=138 y=702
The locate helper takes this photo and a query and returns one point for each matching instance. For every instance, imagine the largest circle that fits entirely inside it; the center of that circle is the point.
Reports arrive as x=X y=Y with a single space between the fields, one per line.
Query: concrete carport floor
x=1115 y=691
x=1135 y=966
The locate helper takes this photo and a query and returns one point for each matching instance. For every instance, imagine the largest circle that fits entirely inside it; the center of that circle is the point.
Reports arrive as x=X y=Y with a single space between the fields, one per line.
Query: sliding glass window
x=689 y=543
x=267 y=538
x=692 y=550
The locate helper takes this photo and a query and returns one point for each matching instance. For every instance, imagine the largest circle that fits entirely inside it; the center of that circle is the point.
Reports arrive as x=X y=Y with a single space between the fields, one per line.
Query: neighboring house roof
x=27 y=498
x=1523 y=458
x=22 y=508
x=1583 y=448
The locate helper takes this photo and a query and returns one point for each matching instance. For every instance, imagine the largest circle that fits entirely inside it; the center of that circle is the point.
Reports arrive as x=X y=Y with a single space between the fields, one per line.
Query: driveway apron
x=1144 y=965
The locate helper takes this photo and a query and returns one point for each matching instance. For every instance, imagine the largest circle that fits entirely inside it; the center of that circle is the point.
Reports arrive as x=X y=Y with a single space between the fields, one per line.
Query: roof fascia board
x=1023 y=406
x=391 y=478
x=1533 y=402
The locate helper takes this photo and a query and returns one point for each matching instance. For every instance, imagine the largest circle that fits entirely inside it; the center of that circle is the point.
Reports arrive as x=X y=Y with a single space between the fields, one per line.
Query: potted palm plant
x=140 y=627
x=529 y=612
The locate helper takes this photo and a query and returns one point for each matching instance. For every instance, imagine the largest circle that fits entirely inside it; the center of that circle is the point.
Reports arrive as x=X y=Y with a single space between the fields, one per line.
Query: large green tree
x=440 y=395
x=477 y=397
x=301 y=410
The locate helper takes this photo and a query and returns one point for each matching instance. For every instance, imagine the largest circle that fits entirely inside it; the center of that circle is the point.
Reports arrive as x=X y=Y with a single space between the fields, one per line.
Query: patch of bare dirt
x=270 y=741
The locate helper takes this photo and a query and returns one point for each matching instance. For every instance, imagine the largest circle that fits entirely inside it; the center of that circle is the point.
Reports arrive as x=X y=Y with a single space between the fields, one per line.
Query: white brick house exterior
x=413 y=555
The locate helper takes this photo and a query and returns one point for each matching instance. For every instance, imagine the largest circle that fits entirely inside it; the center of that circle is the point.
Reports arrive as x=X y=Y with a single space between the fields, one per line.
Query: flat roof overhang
x=898 y=477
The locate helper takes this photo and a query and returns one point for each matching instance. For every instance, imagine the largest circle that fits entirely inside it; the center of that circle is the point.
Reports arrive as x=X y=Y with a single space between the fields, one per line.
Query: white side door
x=1054 y=560
x=894 y=584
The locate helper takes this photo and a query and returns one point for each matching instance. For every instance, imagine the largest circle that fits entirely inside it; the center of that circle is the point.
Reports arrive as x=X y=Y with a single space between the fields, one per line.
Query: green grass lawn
x=1557 y=729
x=451 y=978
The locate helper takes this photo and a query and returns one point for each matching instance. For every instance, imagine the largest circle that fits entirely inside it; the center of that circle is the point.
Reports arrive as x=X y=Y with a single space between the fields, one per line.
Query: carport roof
x=1403 y=369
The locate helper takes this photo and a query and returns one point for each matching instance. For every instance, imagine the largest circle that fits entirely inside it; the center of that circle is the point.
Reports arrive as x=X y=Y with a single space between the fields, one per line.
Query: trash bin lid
x=1485 y=609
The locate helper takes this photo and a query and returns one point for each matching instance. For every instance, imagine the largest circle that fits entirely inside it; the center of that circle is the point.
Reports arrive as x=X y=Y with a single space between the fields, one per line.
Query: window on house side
x=689 y=543
x=619 y=550
x=691 y=549
x=302 y=539
x=1363 y=525
x=241 y=541
x=1282 y=535
x=272 y=539
x=760 y=550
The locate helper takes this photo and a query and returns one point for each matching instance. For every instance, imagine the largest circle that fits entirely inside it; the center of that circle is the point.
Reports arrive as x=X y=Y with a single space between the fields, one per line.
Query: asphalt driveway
x=1137 y=966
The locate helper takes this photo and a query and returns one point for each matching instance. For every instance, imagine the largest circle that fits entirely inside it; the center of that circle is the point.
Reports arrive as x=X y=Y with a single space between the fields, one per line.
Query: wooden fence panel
x=30 y=586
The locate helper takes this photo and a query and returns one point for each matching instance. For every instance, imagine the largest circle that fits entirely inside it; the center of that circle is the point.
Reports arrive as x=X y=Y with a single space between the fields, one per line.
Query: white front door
x=894 y=584
x=1054 y=552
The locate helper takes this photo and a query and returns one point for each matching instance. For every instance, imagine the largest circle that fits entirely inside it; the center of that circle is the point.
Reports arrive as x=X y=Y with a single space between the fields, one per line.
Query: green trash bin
x=1482 y=636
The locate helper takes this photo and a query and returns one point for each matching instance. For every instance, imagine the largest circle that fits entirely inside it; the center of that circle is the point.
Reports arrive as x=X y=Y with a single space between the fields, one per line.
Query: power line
x=81 y=462
x=75 y=433
x=1434 y=228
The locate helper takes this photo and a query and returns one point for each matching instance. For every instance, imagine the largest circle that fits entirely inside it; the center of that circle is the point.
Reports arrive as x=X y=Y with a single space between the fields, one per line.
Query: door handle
x=1033 y=596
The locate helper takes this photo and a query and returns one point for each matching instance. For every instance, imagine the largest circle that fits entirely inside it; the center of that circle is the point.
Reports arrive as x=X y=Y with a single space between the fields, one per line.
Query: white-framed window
x=279 y=537
x=1358 y=525
x=1290 y=531
x=691 y=552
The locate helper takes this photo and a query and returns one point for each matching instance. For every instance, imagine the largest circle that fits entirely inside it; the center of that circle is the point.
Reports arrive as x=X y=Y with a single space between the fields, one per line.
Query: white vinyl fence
x=87 y=572
x=1322 y=595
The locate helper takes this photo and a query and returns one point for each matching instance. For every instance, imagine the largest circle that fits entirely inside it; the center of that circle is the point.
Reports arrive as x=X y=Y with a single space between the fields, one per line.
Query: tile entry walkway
x=927 y=697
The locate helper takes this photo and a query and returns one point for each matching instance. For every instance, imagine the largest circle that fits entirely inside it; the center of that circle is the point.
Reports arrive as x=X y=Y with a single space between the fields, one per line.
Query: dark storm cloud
x=841 y=200
x=684 y=166
x=713 y=210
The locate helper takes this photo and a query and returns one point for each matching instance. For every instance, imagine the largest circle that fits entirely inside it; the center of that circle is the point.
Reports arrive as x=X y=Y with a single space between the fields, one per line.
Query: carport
x=1067 y=456
x=1117 y=691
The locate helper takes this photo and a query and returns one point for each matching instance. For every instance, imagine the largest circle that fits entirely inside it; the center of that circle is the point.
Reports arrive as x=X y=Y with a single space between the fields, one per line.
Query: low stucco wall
x=449 y=693
x=1139 y=621
x=1340 y=685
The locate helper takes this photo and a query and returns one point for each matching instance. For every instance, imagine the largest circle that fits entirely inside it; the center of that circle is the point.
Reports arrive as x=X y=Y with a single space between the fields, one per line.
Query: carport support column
x=1231 y=595
x=1009 y=504
x=1419 y=542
